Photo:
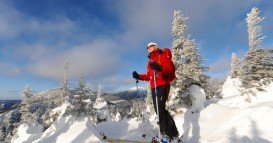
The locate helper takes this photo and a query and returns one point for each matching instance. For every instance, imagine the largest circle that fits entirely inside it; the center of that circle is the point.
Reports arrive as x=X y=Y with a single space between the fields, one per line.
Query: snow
x=117 y=101
x=232 y=97
x=28 y=133
x=231 y=88
x=65 y=129
x=129 y=129
x=71 y=129
x=138 y=88
x=226 y=120
x=199 y=97
x=100 y=105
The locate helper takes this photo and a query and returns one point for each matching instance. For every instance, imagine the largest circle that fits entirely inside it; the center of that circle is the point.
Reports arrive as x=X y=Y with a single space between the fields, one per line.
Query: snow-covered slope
x=65 y=129
x=231 y=88
x=227 y=120
x=232 y=96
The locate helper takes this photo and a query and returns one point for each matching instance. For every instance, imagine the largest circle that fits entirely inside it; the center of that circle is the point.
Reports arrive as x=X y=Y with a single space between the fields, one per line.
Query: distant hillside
x=131 y=94
x=6 y=105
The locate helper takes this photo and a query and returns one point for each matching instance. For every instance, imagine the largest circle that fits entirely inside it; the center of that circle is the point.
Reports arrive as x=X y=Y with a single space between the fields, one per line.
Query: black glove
x=135 y=75
x=155 y=66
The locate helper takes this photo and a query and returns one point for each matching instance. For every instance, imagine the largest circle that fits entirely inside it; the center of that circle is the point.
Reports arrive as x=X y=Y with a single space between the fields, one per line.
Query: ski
x=166 y=139
x=113 y=140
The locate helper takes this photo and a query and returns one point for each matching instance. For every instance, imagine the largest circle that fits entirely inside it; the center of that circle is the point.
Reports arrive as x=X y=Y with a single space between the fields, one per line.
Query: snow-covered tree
x=26 y=114
x=81 y=104
x=101 y=107
x=179 y=32
x=49 y=117
x=179 y=27
x=64 y=84
x=188 y=62
x=257 y=64
x=255 y=36
x=257 y=68
x=99 y=98
x=83 y=88
x=65 y=79
x=234 y=66
x=137 y=109
x=82 y=97
x=9 y=123
x=192 y=61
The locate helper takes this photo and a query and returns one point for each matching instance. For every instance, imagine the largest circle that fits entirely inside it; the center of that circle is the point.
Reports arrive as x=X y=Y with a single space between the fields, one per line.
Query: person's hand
x=135 y=75
x=155 y=66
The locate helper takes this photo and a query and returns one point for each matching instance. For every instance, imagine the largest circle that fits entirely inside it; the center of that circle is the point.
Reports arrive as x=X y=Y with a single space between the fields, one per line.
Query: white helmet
x=152 y=44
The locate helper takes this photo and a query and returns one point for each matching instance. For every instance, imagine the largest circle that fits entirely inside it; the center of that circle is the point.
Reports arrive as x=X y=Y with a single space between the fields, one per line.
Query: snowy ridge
x=47 y=95
x=227 y=120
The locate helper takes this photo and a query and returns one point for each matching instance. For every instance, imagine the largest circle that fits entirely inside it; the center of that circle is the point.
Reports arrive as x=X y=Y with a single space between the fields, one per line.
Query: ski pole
x=137 y=87
x=156 y=98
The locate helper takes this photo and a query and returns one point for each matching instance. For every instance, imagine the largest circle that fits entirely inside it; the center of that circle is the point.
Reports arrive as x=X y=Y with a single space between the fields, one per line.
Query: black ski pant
x=166 y=122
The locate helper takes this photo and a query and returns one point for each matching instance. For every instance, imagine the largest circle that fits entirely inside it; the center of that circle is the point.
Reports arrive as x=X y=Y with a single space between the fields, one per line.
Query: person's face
x=151 y=48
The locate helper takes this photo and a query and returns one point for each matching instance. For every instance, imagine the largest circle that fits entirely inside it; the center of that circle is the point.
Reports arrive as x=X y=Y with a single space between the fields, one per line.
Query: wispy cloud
x=95 y=59
x=9 y=69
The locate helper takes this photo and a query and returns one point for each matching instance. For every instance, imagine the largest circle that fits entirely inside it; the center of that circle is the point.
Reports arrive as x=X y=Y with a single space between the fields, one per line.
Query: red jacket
x=166 y=68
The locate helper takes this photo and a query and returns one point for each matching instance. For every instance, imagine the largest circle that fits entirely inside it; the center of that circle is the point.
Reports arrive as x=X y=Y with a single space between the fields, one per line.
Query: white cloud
x=95 y=59
x=10 y=20
x=9 y=69
x=14 y=23
x=152 y=19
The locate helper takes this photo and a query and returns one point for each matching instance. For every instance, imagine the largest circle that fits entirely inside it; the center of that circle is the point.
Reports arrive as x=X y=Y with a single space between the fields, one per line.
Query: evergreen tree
x=257 y=64
x=257 y=68
x=83 y=88
x=83 y=91
x=25 y=105
x=101 y=107
x=138 y=109
x=65 y=79
x=188 y=62
x=255 y=36
x=179 y=32
x=81 y=104
x=64 y=84
x=234 y=66
x=9 y=123
x=99 y=98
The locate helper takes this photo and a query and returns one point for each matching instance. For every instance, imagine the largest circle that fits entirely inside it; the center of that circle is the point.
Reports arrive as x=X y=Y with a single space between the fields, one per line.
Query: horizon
x=106 y=40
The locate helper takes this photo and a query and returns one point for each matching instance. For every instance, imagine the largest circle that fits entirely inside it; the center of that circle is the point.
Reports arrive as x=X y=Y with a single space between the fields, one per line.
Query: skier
x=161 y=66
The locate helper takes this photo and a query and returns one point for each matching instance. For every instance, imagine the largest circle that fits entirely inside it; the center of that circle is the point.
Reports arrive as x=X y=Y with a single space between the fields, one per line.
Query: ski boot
x=164 y=139
x=155 y=140
x=176 y=140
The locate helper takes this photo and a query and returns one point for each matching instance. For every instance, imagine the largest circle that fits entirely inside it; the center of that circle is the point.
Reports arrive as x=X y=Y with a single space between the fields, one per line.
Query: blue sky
x=106 y=39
